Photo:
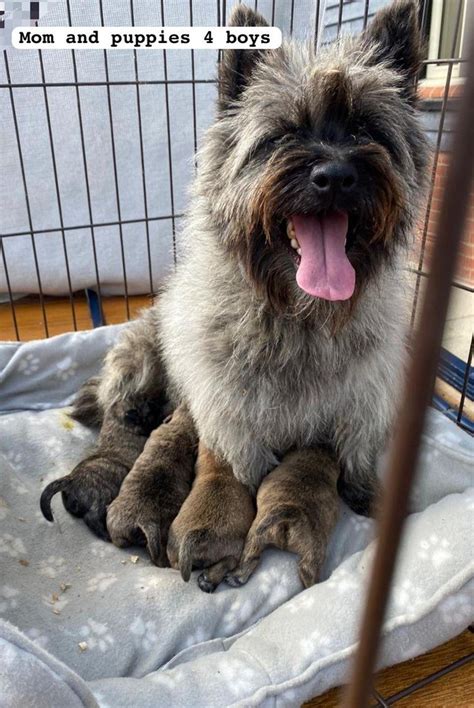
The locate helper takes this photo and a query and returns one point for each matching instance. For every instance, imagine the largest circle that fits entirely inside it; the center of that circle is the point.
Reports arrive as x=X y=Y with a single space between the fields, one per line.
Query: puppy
x=154 y=490
x=95 y=481
x=210 y=529
x=297 y=508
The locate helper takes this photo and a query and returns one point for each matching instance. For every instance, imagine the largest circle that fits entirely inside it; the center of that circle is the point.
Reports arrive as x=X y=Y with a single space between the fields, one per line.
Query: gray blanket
x=85 y=623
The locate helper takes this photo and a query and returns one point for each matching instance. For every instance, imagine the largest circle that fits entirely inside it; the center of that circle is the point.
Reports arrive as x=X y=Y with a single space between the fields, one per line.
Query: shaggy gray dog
x=283 y=326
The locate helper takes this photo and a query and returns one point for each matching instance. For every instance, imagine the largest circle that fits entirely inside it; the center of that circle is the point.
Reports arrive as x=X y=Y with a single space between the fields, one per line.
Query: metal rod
x=168 y=132
x=193 y=79
x=465 y=381
x=27 y=199
x=142 y=158
x=128 y=82
x=339 y=17
x=316 y=24
x=97 y=225
x=454 y=283
x=86 y=169
x=434 y=170
x=9 y=290
x=58 y=192
x=114 y=163
x=429 y=679
x=366 y=12
x=405 y=449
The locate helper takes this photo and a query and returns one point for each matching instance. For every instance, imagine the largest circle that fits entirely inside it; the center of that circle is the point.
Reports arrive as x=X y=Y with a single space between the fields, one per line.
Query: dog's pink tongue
x=325 y=270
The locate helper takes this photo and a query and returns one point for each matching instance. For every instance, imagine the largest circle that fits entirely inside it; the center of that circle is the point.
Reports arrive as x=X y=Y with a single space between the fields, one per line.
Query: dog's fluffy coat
x=260 y=378
x=262 y=366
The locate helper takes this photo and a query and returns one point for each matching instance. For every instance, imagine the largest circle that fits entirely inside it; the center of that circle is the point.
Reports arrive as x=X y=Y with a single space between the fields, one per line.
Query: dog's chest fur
x=258 y=384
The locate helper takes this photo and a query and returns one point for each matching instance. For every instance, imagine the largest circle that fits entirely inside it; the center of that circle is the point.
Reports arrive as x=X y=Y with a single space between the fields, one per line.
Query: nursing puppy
x=297 y=508
x=211 y=527
x=152 y=493
x=283 y=326
x=95 y=482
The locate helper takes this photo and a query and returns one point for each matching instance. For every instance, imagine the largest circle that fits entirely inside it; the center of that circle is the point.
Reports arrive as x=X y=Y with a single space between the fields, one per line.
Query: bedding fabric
x=85 y=623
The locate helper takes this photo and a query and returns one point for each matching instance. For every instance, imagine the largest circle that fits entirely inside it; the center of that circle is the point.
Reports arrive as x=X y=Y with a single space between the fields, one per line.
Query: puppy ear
x=397 y=38
x=237 y=65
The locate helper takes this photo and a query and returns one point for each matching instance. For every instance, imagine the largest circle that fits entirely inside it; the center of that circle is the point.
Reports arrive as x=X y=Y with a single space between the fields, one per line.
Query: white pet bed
x=85 y=625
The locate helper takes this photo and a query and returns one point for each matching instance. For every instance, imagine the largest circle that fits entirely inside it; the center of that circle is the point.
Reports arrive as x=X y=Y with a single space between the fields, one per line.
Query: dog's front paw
x=138 y=520
x=87 y=492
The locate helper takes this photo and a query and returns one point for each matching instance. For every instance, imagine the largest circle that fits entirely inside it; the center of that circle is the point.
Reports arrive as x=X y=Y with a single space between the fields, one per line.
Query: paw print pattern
x=99 y=549
x=13 y=546
x=96 y=635
x=8 y=598
x=362 y=525
x=144 y=633
x=458 y=608
x=29 y=364
x=101 y=582
x=406 y=596
x=37 y=637
x=343 y=581
x=303 y=601
x=239 y=676
x=435 y=549
x=53 y=447
x=15 y=459
x=52 y=566
x=316 y=644
x=197 y=637
x=66 y=369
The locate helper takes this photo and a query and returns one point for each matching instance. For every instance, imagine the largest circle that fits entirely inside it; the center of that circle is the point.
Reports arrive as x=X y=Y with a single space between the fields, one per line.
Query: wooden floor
x=455 y=690
x=31 y=324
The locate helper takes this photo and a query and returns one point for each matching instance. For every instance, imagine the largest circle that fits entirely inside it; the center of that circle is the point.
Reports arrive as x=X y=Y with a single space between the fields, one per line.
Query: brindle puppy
x=153 y=492
x=210 y=530
x=95 y=482
x=297 y=508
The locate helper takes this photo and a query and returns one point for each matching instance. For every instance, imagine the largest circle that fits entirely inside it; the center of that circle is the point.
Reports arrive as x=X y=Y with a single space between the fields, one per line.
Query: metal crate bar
x=404 y=451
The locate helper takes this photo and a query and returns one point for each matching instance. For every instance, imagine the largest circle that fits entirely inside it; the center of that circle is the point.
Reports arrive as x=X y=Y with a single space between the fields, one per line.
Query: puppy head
x=315 y=165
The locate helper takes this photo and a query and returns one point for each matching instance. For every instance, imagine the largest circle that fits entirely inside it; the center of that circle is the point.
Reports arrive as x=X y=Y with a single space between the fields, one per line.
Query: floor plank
x=455 y=690
x=59 y=317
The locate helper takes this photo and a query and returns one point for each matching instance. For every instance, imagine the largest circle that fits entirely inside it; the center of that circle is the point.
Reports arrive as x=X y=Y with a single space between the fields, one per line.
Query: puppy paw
x=240 y=576
x=87 y=491
x=193 y=549
x=205 y=584
x=213 y=576
x=138 y=520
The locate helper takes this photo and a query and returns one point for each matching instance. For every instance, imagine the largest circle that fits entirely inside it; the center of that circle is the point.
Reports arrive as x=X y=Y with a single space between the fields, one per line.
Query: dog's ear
x=396 y=36
x=236 y=65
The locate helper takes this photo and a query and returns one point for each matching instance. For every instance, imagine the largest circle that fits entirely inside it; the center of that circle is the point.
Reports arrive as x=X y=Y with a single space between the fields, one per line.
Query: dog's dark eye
x=271 y=142
x=374 y=134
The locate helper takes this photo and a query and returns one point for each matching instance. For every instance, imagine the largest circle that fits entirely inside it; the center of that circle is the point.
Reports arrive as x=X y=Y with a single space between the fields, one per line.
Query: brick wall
x=465 y=270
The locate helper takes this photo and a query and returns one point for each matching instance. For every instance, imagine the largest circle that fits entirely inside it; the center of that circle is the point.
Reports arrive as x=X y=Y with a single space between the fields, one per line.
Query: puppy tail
x=86 y=408
x=48 y=493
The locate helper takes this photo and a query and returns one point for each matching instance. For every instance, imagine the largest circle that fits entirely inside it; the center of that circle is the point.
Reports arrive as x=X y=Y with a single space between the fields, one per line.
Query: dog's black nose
x=333 y=177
